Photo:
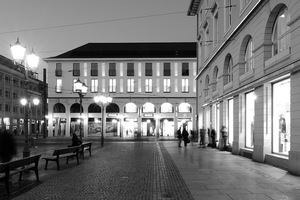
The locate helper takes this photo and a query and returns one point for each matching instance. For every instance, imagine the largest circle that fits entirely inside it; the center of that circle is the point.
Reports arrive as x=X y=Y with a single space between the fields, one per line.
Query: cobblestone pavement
x=121 y=170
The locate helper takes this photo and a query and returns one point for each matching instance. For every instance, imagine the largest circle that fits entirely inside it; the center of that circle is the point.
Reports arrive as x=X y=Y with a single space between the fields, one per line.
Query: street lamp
x=30 y=63
x=81 y=89
x=102 y=101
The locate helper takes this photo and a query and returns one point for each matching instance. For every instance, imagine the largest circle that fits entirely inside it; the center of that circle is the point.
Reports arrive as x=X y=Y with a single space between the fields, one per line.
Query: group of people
x=184 y=136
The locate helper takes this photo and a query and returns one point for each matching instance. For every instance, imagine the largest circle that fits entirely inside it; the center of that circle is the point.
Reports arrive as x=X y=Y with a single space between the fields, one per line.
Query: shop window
x=281 y=134
x=230 y=121
x=250 y=112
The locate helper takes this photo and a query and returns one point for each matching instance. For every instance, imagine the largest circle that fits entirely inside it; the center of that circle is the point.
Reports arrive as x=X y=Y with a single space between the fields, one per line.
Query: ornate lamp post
x=30 y=63
x=102 y=101
x=81 y=89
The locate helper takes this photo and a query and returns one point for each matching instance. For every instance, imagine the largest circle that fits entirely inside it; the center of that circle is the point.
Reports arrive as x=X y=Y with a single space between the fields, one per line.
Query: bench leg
x=67 y=160
x=77 y=159
x=46 y=165
x=90 y=152
x=20 y=176
x=57 y=163
x=7 y=181
x=37 y=174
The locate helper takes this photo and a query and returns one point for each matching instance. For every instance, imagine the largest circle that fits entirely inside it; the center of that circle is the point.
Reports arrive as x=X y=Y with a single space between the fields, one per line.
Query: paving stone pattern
x=130 y=170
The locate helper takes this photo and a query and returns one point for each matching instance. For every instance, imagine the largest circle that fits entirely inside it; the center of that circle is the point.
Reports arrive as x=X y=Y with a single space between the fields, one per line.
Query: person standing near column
x=179 y=136
x=224 y=136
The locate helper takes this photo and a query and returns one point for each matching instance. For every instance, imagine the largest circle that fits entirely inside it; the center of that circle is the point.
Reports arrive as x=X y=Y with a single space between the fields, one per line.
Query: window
x=148 y=69
x=167 y=85
x=130 y=69
x=7 y=108
x=228 y=76
x=58 y=87
x=185 y=85
x=281 y=135
x=215 y=24
x=130 y=85
x=215 y=79
x=228 y=14
x=167 y=69
x=76 y=69
x=16 y=82
x=206 y=41
x=148 y=84
x=112 y=69
x=185 y=69
x=15 y=95
x=7 y=80
x=15 y=109
x=249 y=56
x=94 y=85
x=58 y=69
x=250 y=111
x=7 y=94
x=206 y=89
x=112 y=85
x=281 y=32
x=94 y=69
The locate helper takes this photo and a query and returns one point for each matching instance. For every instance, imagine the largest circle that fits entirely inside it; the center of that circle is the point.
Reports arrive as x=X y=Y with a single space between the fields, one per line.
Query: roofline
x=117 y=59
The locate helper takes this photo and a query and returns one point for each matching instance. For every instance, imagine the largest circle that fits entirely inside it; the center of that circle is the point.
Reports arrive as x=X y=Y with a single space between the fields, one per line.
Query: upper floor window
x=249 y=56
x=16 y=82
x=281 y=32
x=185 y=85
x=206 y=89
x=215 y=24
x=130 y=69
x=76 y=69
x=58 y=69
x=185 y=69
x=167 y=69
x=228 y=14
x=148 y=85
x=206 y=41
x=94 y=69
x=130 y=85
x=228 y=76
x=148 y=69
x=7 y=80
x=112 y=85
x=94 y=85
x=112 y=69
x=167 y=85
x=58 y=87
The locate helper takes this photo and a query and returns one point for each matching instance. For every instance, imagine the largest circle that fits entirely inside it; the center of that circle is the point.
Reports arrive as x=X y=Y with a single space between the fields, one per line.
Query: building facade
x=12 y=89
x=248 y=76
x=152 y=86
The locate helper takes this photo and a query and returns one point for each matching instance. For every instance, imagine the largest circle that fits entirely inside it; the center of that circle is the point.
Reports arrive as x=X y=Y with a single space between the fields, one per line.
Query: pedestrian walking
x=179 y=136
x=224 y=133
x=213 y=138
x=185 y=136
x=7 y=146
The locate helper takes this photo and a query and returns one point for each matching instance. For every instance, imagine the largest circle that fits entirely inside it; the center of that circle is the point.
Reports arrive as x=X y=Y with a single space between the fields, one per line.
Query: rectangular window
x=228 y=14
x=7 y=108
x=185 y=69
x=7 y=94
x=130 y=85
x=167 y=69
x=16 y=82
x=76 y=69
x=281 y=135
x=167 y=85
x=148 y=85
x=215 y=24
x=148 y=69
x=58 y=69
x=112 y=69
x=58 y=87
x=15 y=95
x=15 y=109
x=206 y=41
x=112 y=85
x=94 y=69
x=250 y=111
x=94 y=85
x=185 y=85
x=7 y=80
x=130 y=69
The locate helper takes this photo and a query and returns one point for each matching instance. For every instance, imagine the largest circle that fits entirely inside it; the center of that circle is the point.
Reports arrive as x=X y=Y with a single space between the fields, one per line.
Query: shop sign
x=149 y=115
x=112 y=115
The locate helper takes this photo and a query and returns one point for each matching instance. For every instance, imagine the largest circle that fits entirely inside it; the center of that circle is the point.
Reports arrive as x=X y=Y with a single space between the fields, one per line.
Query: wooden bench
x=69 y=152
x=86 y=146
x=18 y=166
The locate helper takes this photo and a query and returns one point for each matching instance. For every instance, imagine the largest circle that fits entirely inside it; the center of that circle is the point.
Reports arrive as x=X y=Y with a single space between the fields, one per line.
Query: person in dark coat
x=185 y=136
x=179 y=136
x=7 y=146
x=75 y=140
x=224 y=133
x=213 y=138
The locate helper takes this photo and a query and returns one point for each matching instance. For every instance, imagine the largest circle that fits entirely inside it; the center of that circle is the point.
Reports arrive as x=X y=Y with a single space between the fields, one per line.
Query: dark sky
x=52 y=27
